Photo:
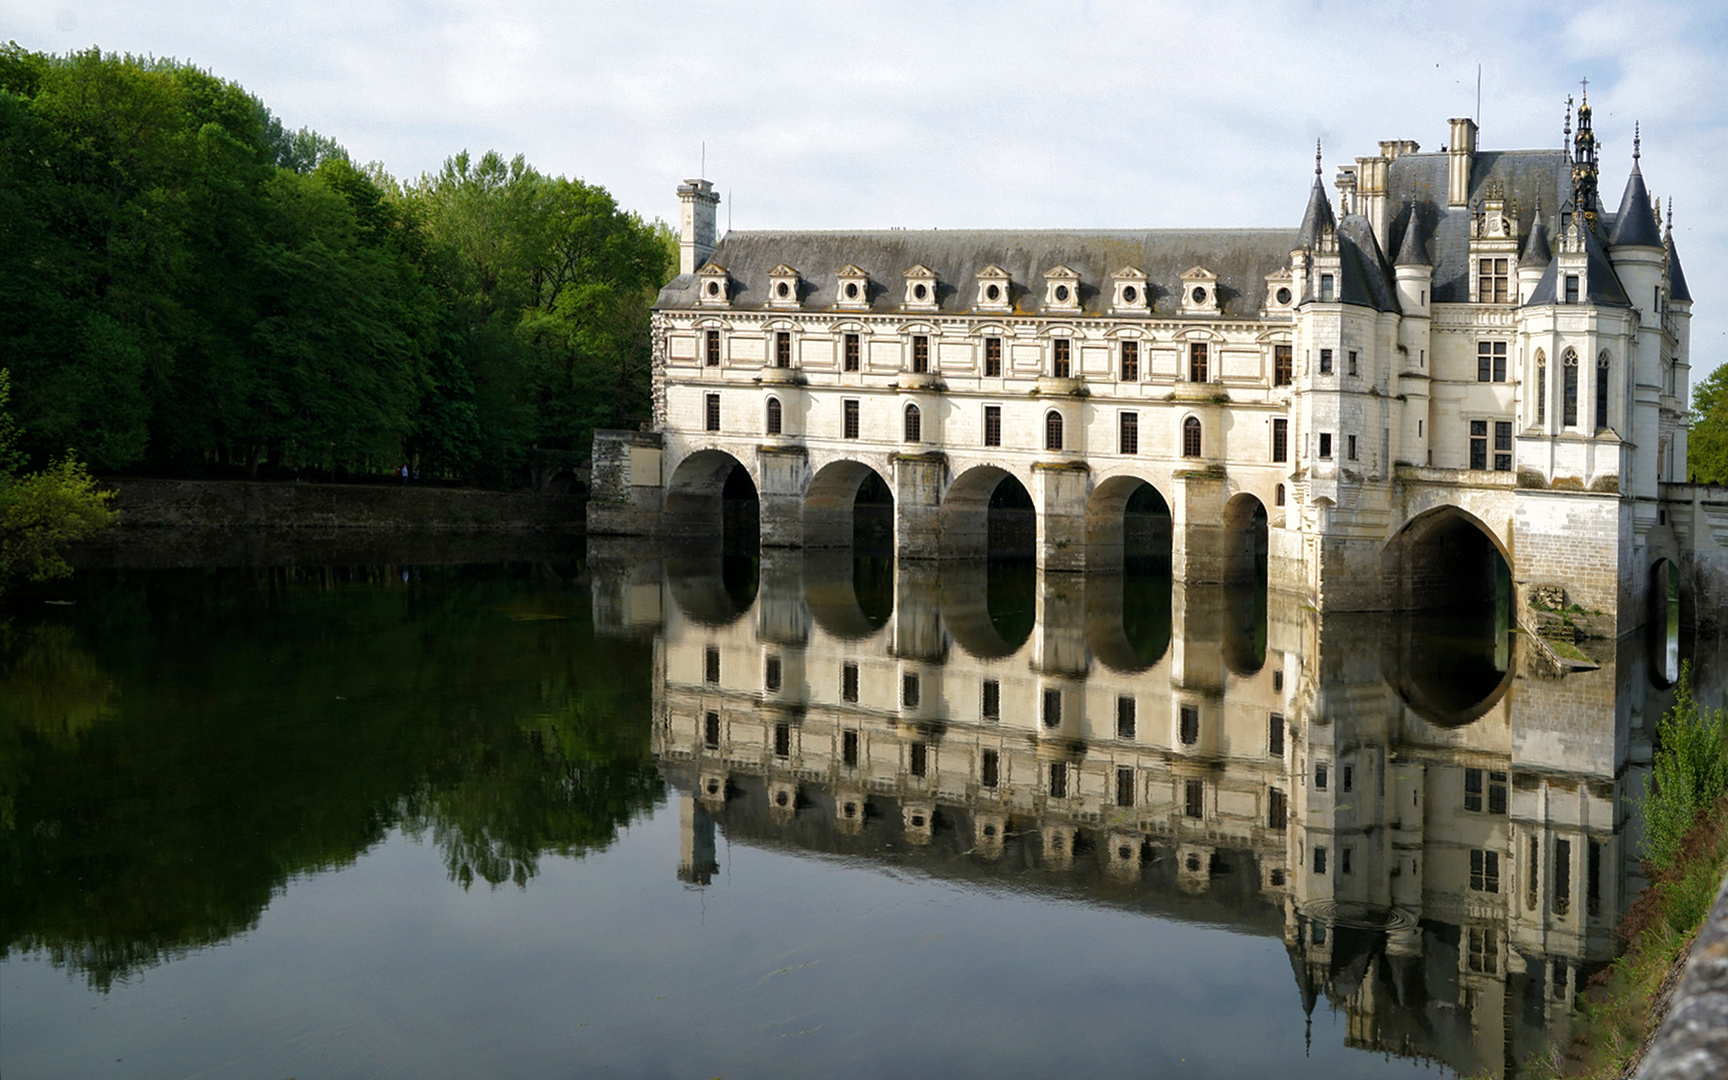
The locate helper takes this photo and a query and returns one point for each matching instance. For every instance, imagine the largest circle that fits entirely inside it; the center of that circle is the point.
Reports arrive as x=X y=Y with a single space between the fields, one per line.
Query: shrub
x=1688 y=775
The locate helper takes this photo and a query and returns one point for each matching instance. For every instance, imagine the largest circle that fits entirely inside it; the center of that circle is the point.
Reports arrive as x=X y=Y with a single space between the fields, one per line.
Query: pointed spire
x=1677 y=289
x=1318 y=220
x=1411 y=251
x=1637 y=139
x=1566 y=138
x=1635 y=224
x=1536 y=249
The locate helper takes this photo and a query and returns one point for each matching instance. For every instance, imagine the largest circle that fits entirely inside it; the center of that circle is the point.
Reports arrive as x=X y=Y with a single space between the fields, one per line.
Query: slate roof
x=1537 y=251
x=1677 y=289
x=1364 y=268
x=1411 y=250
x=1635 y=223
x=1240 y=257
x=1603 y=283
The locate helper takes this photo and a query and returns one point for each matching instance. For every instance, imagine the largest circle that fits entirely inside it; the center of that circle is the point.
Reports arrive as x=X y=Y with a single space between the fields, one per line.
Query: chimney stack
x=1461 y=153
x=696 y=224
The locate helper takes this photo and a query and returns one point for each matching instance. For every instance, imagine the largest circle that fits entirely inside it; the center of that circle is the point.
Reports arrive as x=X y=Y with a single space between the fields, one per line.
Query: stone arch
x=697 y=494
x=832 y=581
x=1128 y=620
x=1443 y=557
x=1448 y=687
x=980 y=603
x=966 y=511
x=1247 y=526
x=1110 y=534
x=830 y=502
x=710 y=589
x=1663 y=622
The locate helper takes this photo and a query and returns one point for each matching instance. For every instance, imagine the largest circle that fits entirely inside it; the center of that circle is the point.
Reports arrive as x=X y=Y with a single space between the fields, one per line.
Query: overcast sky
x=931 y=114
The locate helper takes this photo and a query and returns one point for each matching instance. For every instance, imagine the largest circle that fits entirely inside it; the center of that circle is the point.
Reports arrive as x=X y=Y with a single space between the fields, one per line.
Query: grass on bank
x=1685 y=855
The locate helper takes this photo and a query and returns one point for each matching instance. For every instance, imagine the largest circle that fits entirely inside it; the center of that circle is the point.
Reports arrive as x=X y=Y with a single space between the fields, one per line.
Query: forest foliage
x=1707 y=442
x=188 y=286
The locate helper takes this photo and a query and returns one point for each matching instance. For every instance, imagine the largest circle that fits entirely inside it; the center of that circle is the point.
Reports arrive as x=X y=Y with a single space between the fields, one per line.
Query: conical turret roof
x=1412 y=252
x=1318 y=218
x=1676 y=277
x=1537 y=251
x=1635 y=224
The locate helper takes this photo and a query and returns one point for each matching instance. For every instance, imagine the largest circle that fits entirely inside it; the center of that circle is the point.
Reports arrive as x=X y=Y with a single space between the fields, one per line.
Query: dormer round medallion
x=713 y=288
x=920 y=292
x=783 y=290
x=1198 y=295
x=1130 y=294
x=994 y=292
x=851 y=290
x=1283 y=296
x=1062 y=293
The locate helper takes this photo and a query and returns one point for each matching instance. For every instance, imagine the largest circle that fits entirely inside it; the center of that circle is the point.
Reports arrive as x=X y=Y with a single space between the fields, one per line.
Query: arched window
x=1602 y=391
x=773 y=416
x=1569 y=391
x=1278 y=496
x=1541 y=388
x=914 y=424
x=1052 y=430
x=1191 y=437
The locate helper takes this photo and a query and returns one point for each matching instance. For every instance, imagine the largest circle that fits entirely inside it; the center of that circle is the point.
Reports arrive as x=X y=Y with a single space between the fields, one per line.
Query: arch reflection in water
x=1438 y=842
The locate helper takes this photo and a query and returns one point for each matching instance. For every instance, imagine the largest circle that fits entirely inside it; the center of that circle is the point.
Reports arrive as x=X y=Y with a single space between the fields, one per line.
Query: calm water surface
x=802 y=817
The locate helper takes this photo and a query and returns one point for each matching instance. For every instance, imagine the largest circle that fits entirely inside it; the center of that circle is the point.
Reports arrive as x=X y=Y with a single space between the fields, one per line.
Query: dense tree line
x=187 y=286
x=1707 y=442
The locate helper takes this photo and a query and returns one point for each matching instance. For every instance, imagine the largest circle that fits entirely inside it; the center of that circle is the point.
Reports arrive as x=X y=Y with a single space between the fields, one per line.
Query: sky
x=966 y=114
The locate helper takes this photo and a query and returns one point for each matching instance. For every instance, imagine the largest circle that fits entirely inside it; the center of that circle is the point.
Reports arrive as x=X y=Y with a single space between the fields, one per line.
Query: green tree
x=1707 y=442
x=42 y=512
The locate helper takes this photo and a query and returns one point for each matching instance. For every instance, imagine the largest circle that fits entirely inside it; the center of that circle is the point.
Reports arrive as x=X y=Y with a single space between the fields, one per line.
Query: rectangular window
x=992 y=425
x=1061 y=357
x=1280 y=439
x=920 y=353
x=849 y=748
x=771 y=674
x=711 y=731
x=1194 y=798
x=1490 y=361
x=1348 y=777
x=1344 y=860
x=1350 y=446
x=1485 y=871
x=1354 y=369
x=849 y=421
x=1593 y=878
x=1126 y=717
x=849 y=682
x=1571 y=288
x=1491 y=278
x=1478 y=444
x=990 y=769
x=909 y=691
x=1277 y=809
x=1483 y=951
x=1531 y=892
x=991 y=708
x=1326 y=288
x=1322 y=774
x=1197 y=366
x=1052 y=708
x=711 y=348
x=1326 y=446
x=1502 y=446
x=711 y=665
x=1325 y=361
x=782 y=349
x=1473 y=790
x=1320 y=860
x=1283 y=368
x=1275 y=735
x=711 y=412
x=1058 y=780
x=918 y=759
x=1562 y=876
x=1602 y=390
x=1190 y=725
x=852 y=354
x=783 y=739
x=992 y=357
x=1124 y=786
x=1128 y=437
x=1130 y=361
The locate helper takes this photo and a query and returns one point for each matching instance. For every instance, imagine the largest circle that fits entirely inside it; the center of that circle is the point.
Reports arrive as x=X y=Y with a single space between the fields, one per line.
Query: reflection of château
x=1439 y=834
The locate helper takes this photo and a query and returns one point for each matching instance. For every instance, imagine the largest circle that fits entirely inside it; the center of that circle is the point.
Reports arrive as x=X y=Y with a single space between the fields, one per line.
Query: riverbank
x=243 y=504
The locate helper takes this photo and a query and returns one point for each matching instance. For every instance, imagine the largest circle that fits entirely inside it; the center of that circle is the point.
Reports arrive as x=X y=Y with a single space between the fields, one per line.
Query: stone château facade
x=1467 y=354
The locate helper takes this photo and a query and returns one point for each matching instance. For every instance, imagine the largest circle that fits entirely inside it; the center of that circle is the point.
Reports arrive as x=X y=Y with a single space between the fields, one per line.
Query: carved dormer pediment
x=1280 y=291
x=713 y=286
x=920 y=289
x=783 y=287
x=1061 y=290
x=1131 y=295
x=852 y=289
x=1199 y=291
x=995 y=289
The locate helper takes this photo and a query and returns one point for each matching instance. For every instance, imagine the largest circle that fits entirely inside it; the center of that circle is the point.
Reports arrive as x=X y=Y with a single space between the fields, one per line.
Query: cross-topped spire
x=1585 y=91
x=1316 y=157
x=1637 y=138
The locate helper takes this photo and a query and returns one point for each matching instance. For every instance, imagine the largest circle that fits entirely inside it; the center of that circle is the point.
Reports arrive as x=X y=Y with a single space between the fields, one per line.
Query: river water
x=795 y=817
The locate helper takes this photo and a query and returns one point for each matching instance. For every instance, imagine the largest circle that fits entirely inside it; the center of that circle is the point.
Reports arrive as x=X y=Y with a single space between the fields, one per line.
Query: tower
x=697 y=202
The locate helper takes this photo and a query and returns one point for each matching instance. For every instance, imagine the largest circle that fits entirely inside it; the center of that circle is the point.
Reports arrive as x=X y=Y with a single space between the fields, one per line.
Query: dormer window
x=852 y=289
x=920 y=289
x=783 y=287
x=1199 y=292
x=1131 y=294
x=994 y=289
x=713 y=286
x=1279 y=295
x=1062 y=290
